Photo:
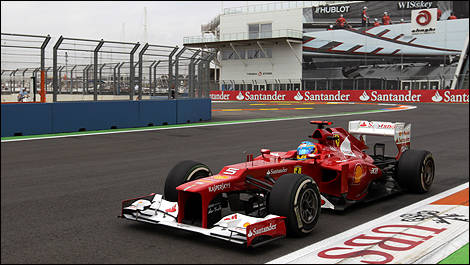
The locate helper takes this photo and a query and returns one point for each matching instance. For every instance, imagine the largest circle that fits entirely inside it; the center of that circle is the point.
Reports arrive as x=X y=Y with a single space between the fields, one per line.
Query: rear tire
x=296 y=197
x=415 y=171
x=183 y=172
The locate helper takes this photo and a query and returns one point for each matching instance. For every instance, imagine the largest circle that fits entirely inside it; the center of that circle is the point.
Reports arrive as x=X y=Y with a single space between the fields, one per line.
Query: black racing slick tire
x=415 y=171
x=296 y=197
x=183 y=172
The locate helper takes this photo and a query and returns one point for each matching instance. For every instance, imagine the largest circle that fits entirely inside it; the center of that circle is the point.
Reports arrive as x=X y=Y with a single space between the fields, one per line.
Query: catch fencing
x=86 y=69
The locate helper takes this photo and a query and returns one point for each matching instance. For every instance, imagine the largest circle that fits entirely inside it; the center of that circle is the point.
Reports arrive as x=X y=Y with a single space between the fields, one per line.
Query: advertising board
x=423 y=21
x=366 y=96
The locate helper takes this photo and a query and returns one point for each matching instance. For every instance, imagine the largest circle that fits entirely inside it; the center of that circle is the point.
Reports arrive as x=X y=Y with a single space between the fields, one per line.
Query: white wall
x=283 y=64
x=280 y=19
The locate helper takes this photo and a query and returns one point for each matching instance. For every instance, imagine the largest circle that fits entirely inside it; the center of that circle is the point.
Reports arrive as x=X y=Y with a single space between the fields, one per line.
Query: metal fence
x=24 y=55
x=87 y=69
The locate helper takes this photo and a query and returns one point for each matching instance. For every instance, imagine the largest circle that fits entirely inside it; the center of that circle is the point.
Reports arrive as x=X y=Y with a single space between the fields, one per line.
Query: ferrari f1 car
x=278 y=193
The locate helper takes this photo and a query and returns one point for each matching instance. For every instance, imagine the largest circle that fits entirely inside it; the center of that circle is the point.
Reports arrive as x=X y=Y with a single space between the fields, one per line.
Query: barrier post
x=150 y=77
x=170 y=71
x=55 y=85
x=191 y=72
x=43 y=89
x=141 y=62
x=71 y=79
x=155 y=77
x=176 y=63
x=95 y=70
x=131 y=71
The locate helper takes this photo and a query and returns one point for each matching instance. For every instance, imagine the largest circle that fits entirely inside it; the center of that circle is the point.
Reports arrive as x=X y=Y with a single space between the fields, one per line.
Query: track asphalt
x=60 y=197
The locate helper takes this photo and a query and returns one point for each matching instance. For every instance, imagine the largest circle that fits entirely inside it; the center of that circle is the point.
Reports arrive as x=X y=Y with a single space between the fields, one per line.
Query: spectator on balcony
x=365 y=18
x=341 y=22
x=330 y=27
x=402 y=21
x=376 y=22
x=386 y=19
x=452 y=16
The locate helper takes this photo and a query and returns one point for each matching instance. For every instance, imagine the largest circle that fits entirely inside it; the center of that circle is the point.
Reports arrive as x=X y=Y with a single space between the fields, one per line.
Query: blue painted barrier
x=26 y=119
x=193 y=110
x=96 y=115
x=164 y=114
x=45 y=118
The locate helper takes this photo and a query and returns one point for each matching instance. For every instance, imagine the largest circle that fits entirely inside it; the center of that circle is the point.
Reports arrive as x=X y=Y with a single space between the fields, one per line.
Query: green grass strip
x=150 y=128
x=458 y=257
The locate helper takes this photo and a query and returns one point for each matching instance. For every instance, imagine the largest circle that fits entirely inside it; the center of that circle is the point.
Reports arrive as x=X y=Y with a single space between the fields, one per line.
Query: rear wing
x=399 y=130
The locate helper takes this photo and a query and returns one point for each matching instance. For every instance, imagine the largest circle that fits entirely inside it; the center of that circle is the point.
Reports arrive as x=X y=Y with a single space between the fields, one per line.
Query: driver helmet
x=304 y=149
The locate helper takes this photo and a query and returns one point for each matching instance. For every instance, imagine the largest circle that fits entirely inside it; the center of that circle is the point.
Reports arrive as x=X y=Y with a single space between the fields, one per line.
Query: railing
x=281 y=33
x=278 y=6
x=399 y=83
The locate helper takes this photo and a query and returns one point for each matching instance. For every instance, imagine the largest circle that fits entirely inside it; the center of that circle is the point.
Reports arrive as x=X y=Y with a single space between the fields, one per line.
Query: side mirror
x=265 y=152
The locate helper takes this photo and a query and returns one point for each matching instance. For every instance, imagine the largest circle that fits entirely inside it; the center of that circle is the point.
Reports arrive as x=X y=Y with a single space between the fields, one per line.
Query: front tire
x=296 y=197
x=183 y=172
x=415 y=171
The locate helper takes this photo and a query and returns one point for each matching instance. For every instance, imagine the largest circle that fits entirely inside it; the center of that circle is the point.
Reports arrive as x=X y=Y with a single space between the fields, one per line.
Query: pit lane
x=60 y=197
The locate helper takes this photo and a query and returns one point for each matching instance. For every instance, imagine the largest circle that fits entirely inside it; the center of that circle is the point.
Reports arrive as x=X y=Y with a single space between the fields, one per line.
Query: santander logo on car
x=255 y=231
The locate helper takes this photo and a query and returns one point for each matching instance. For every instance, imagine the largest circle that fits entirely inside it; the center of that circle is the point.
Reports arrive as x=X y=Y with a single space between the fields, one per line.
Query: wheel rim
x=428 y=173
x=307 y=206
x=198 y=173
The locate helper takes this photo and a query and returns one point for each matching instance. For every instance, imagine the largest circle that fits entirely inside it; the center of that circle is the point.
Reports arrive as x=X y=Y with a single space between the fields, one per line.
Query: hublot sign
x=332 y=9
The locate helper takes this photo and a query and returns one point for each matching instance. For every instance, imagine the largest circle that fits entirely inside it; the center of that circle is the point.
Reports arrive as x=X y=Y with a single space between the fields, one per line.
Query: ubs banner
x=369 y=96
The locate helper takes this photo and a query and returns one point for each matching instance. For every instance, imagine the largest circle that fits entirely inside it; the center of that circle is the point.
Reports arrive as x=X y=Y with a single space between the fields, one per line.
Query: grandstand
x=290 y=46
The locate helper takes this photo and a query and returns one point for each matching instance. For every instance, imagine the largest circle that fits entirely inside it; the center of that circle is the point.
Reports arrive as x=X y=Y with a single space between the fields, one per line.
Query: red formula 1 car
x=262 y=199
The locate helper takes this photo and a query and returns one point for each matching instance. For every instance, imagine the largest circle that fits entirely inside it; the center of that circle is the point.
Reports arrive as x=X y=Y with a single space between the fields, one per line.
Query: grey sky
x=167 y=21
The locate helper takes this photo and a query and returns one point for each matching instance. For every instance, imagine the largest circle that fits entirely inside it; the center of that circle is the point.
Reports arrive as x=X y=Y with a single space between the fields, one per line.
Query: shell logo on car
x=220 y=177
x=358 y=172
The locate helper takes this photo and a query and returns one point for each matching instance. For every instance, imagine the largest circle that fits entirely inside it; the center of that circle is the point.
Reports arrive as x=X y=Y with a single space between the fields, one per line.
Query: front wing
x=236 y=228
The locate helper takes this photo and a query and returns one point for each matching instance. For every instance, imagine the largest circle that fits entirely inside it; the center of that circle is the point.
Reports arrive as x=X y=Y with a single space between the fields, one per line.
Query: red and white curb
x=424 y=232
